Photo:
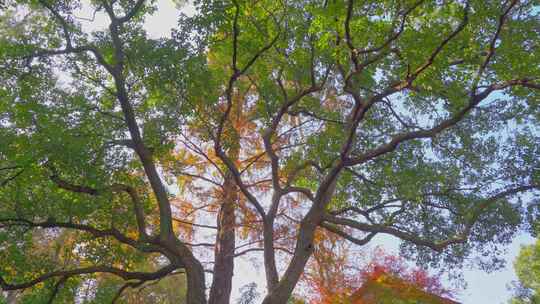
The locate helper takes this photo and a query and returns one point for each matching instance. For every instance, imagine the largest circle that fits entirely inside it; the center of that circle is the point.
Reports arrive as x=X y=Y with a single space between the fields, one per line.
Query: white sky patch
x=165 y=19
x=158 y=25
x=493 y=288
x=91 y=20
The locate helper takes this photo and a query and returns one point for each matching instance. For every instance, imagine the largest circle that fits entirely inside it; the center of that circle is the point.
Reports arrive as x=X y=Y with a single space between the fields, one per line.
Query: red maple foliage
x=391 y=265
x=335 y=273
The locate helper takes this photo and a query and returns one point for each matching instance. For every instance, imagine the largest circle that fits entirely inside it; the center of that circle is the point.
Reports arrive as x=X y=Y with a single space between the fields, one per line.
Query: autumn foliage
x=334 y=275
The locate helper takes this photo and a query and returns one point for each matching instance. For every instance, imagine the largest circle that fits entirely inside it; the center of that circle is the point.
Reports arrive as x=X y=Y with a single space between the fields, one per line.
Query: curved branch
x=441 y=46
x=132 y=192
x=136 y=8
x=126 y=275
x=304 y=191
x=72 y=50
x=438 y=246
x=378 y=228
x=262 y=249
x=395 y=35
x=491 y=50
x=348 y=237
x=111 y=232
x=474 y=100
x=63 y=22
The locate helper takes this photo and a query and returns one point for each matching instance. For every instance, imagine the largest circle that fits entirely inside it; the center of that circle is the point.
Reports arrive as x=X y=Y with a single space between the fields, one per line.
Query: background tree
x=337 y=275
x=527 y=266
x=387 y=279
x=263 y=122
x=334 y=271
x=248 y=294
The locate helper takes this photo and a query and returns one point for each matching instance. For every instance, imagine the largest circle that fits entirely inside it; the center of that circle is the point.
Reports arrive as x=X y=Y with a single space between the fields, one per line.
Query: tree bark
x=272 y=277
x=196 y=282
x=220 y=291
x=304 y=248
x=304 y=243
x=184 y=258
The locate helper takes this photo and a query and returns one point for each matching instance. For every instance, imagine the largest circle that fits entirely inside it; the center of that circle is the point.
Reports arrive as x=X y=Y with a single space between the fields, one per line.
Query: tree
x=388 y=280
x=334 y=275
x=527 y=266
x=249 y=294
x=271 y=119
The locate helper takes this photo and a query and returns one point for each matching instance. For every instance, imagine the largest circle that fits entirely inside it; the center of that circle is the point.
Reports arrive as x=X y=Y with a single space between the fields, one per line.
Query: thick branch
x=111 y=232
x=126 y=275
x=145 y=155
x=348 y=237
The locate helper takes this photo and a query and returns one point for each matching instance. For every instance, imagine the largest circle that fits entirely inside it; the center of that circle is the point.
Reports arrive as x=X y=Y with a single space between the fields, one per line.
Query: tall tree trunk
x=220 y=291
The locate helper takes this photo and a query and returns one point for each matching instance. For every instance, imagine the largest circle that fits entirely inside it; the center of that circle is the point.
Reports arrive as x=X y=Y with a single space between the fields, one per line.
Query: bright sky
x=483 y=288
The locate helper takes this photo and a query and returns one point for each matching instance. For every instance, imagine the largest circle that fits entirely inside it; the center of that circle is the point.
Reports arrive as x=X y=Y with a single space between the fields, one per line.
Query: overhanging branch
x=126 y=275
x=460 y=237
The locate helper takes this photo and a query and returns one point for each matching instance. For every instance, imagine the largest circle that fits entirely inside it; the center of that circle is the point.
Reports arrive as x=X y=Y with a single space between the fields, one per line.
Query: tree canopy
x=126 y=160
